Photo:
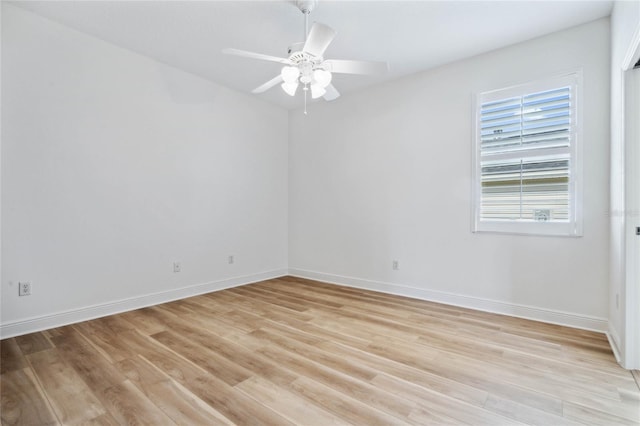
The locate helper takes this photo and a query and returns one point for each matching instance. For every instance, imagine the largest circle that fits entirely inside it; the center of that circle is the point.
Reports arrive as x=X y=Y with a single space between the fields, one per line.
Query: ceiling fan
x=305 y=65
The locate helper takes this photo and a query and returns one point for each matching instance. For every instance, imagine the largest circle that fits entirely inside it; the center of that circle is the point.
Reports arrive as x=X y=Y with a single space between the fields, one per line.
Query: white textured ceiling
x=410 y=35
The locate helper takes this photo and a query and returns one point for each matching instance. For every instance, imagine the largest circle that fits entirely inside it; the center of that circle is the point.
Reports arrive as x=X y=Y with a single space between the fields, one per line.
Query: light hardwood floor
x=293 y=351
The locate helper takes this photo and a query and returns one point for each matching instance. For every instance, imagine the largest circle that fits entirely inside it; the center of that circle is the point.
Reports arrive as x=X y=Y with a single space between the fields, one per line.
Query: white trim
x=568 y=319
x=612 y=337
x=541 y=229
x=631 y=292
x=628 y=61
x=628 y=343
x=30 y=325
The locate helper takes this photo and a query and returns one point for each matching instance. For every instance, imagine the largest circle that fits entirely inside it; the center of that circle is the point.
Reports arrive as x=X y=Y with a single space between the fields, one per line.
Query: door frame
x=630 y=356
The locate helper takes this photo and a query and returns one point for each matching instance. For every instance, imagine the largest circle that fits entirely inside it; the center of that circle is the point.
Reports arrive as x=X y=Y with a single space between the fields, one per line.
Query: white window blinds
x=525 y=156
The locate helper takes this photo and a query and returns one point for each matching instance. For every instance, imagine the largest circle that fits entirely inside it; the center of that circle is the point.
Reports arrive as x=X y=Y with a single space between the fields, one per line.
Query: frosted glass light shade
x=290 y=88
x=322 y=77
x=317 y=91
x=290 y=74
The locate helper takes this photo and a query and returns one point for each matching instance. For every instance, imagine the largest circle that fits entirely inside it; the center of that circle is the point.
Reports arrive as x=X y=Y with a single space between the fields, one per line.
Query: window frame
x=572 y=228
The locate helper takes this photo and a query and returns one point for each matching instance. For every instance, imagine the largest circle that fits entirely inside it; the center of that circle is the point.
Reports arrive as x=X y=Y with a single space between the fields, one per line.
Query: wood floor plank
x=92 y=367
x=293 y=407
x=258 y=293
x=22 y=402
x=314 y=353
x=216 y=365
x=128 y=405
x=144 y=321
x=107 y=341
x=234 y=405
x=443 y=385
x=304 y=325
x=213 y=306
x=310 y=298
x=524 y=413
x=182 y=406
x=11 y=356
x=34 y=342
x=425 y=417
x=567 y=369
x=489 y=382
x=164 y=359
x=439 y=404
x=140 y=371
x=177 y=402
x=102 y=420
x=364 y=392
x=291 y=332
x=297 y=351
x=256 y=306
x=591 y=394
x=244 y=357
x=589 y=416
x=342 y=405
x=72 y=400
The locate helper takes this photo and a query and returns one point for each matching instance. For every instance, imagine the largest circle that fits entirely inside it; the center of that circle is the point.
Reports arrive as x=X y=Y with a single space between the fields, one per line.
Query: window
x=526 y=163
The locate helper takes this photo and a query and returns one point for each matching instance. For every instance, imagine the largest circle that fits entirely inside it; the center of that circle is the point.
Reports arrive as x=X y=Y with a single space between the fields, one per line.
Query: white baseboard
x=30 y=325
x=522 y=311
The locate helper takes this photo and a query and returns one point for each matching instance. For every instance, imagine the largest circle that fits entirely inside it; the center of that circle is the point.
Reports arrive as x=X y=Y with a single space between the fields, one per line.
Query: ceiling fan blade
x=268 y=85
x=331 y=93
x=319 y=39
x=252 y=55
x=342 y=66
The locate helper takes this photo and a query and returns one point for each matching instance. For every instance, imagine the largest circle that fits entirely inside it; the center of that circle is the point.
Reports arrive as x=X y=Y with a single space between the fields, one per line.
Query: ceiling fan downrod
x=306 y=7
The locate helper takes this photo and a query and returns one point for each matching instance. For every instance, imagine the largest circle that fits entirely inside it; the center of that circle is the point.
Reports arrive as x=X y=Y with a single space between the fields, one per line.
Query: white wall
x=386 y=174
x=625 y=24
x=114 y=166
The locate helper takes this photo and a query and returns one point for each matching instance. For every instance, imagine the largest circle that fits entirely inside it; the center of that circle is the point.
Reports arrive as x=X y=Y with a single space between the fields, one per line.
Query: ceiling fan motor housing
x=295 y=48
x=298 y=56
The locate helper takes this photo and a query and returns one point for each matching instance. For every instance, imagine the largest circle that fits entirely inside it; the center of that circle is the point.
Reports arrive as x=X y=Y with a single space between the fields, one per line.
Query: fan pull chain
x=305 y=90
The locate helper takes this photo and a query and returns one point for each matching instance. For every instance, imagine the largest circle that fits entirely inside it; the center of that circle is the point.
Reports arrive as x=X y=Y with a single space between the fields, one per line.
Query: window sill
x=553 y=229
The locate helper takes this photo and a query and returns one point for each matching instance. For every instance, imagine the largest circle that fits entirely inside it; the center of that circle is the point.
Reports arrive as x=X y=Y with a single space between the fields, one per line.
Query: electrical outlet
x=177 y=267
x=231 y=259
x=395 y=265
x=24 y=289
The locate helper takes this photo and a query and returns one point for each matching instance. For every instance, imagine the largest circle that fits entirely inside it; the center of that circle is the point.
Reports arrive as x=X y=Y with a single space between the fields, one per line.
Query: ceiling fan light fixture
x=305 y=65
x=317 y=91
x=290 y=88
x=322 y=77
x=290 y=74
